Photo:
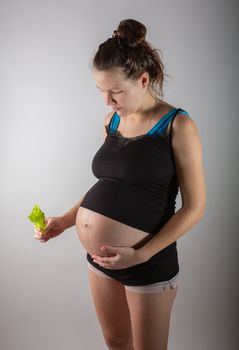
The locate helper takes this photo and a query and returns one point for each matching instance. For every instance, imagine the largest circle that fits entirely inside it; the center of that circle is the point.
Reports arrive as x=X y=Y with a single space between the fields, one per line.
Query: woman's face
x=123 y=96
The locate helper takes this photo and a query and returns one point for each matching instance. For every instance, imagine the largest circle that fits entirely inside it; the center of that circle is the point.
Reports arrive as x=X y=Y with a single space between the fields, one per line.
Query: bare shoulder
x=185 y=132
x=106 y=121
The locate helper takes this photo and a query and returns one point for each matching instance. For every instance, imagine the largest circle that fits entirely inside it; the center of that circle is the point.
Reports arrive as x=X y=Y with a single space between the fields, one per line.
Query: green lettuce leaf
x=38 y=218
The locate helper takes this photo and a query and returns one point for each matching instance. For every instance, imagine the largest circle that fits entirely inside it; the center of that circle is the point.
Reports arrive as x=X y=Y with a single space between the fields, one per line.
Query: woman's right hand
x=54 y=227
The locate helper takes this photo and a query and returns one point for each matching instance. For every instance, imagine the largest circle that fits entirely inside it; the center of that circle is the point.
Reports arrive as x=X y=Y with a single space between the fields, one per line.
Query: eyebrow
x=116 y=88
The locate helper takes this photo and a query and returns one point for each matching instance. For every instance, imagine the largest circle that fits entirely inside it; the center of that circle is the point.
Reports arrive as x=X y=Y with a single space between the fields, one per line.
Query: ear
x=144 y=80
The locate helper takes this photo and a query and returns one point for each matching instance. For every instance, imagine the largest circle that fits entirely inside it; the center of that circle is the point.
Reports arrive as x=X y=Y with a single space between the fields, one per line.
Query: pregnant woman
x=126 y=221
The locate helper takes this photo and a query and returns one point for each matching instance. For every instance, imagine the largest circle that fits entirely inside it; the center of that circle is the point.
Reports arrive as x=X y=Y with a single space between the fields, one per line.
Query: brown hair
x=128 y=49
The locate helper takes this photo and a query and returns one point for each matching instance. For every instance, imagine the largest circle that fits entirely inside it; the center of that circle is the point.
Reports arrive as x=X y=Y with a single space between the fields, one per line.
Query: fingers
x=39 y=236
x=43 y=236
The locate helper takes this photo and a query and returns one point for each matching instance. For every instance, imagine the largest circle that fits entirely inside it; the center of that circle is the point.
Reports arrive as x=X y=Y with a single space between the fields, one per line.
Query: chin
x=121 y=112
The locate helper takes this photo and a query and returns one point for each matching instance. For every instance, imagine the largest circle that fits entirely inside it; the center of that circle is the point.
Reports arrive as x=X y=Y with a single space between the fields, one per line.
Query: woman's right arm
x=57 y=225
x=69 y=218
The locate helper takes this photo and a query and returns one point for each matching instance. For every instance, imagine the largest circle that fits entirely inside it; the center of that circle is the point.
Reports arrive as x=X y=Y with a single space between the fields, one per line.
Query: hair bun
x=131 y=32
x=133 y=54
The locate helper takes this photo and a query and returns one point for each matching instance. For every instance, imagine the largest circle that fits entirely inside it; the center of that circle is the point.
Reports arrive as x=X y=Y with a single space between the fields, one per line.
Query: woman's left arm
x=187 y=150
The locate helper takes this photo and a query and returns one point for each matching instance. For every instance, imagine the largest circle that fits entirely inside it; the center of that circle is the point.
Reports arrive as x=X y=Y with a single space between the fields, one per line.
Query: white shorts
x=149 y=288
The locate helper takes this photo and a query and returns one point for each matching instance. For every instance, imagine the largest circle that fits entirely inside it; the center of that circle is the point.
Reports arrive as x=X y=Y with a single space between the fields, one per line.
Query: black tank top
x=137 y=180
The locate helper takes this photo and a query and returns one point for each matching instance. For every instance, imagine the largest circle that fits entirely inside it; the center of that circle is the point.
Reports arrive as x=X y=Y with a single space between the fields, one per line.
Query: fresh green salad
x=38 y=218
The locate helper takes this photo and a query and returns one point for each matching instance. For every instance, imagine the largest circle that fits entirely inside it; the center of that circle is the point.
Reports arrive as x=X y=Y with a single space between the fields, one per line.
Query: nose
x=109 y=99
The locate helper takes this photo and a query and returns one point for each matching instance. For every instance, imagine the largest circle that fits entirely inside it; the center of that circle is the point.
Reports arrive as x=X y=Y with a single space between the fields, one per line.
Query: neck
x=146 y=110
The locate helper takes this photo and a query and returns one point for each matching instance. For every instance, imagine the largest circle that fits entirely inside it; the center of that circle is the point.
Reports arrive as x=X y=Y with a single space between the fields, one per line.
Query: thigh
x=150 y=317
x=112 y=310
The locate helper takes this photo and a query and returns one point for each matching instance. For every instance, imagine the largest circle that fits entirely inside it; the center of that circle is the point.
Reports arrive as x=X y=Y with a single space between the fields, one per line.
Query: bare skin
x=94 y=229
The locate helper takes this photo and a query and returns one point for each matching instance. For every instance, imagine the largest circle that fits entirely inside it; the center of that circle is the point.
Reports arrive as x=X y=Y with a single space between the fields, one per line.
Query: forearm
x=69 y=218
x=174 y=228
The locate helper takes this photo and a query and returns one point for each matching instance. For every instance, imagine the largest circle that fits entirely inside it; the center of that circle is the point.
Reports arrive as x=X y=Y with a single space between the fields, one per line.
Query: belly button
x=86 y=225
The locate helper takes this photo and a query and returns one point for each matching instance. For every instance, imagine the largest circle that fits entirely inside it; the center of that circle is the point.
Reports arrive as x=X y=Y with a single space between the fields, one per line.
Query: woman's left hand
x=123 y=257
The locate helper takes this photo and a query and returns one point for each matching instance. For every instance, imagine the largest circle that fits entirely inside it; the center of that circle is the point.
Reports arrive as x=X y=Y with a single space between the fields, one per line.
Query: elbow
x=201 y=212
x=197 y=212
x=202 y=209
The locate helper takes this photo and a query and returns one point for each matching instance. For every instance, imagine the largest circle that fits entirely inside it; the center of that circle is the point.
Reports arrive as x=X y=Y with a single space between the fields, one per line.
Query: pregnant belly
x=94 y=229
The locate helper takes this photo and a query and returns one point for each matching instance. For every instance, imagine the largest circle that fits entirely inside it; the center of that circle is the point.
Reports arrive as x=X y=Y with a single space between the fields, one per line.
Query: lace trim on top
x=152 y=133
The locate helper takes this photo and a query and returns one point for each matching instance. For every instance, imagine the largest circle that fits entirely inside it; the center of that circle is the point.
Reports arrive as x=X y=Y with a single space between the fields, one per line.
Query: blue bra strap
x=163 y=123
x=114 y=121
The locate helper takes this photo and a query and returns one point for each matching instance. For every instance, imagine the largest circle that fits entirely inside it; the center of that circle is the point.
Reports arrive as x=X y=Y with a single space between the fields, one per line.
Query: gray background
x=51 y=127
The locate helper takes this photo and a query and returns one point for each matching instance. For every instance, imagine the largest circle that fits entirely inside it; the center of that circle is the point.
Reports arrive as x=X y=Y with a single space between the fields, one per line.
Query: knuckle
x=38 y=235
